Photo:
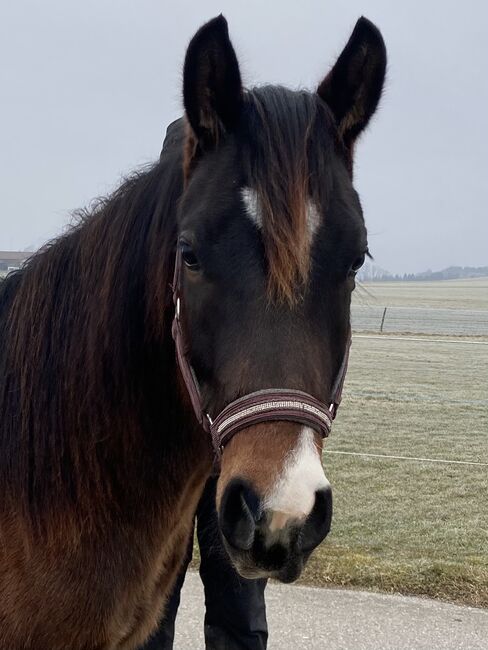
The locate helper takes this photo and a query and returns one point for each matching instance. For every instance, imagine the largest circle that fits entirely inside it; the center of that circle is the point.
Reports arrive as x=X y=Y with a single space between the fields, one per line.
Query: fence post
x=383 y=320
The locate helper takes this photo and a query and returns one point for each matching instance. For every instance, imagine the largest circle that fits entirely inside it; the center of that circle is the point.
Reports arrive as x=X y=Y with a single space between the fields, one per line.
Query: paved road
x=335 y=619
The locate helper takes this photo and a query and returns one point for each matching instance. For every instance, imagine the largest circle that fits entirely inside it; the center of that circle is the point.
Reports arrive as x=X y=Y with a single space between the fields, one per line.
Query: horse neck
x=91 y=410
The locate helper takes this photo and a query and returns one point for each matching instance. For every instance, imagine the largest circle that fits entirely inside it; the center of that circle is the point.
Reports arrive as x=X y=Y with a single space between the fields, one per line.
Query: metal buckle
x=333 y=410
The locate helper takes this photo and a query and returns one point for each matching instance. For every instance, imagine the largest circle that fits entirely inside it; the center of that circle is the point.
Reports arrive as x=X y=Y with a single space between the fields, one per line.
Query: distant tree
x=373 y=273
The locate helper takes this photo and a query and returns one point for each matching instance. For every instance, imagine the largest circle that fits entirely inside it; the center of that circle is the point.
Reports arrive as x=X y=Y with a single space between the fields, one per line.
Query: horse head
x=270 y=237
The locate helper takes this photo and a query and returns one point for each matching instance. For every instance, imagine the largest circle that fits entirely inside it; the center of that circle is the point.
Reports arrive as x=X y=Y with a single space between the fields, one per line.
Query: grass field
x=412 y=526
x=453 y=294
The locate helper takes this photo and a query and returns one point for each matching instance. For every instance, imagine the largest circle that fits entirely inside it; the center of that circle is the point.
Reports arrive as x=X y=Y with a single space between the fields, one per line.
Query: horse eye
x=357 y=264
x=188 y=256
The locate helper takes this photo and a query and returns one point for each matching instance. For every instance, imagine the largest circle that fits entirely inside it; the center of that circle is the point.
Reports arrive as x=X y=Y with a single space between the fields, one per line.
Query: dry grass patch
x=409 y=526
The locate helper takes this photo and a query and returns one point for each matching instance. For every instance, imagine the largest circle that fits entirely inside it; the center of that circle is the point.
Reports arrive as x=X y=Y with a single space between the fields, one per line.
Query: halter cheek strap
x=274 y=404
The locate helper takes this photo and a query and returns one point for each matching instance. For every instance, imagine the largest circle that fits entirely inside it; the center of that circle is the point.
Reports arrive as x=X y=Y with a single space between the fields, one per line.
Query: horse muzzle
x=263 y=542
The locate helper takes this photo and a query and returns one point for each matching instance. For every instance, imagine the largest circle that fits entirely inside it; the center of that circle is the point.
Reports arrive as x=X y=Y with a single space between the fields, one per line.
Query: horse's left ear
x=353 y=87
x=212 y=89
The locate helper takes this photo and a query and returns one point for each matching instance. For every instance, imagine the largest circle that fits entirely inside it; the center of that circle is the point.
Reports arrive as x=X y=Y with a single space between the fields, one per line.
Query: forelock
x=287 y=145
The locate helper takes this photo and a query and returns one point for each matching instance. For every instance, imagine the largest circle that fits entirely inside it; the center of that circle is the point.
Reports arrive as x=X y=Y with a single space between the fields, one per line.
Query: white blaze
x=253 y=211
x=293 y=494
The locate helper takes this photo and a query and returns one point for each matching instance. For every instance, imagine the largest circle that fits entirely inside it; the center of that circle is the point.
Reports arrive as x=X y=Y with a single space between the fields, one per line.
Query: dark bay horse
x=102 y=460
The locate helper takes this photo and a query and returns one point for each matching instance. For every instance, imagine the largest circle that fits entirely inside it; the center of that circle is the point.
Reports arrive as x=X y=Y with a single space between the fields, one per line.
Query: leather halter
x=273 y=404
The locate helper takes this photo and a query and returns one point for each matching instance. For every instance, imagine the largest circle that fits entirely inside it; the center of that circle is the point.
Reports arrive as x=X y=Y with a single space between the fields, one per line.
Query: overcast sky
x=87 y=89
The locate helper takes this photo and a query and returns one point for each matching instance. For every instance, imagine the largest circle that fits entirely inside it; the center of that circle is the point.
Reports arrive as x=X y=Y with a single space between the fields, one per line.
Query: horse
x=223 y=271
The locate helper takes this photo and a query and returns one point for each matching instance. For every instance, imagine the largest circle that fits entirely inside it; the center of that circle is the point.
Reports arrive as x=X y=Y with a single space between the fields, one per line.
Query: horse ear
x=353 y=87
x=212 y=90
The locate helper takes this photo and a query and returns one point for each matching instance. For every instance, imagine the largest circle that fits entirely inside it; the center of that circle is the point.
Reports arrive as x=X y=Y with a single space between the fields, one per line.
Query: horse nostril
x=239 y=511
x=317 y=524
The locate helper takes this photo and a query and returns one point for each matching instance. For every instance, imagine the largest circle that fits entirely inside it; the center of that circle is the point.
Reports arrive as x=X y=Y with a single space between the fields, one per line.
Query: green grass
x=400 y=525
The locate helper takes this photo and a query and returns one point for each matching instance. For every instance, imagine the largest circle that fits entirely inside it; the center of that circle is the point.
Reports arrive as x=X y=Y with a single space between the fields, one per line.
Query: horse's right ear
x=212 y=89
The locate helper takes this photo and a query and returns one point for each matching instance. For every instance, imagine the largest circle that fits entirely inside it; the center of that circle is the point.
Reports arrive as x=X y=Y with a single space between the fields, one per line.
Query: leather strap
x=183 y=351
x=272 y=404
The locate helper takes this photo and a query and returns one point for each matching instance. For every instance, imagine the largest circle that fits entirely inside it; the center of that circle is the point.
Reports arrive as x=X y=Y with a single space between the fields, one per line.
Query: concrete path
x=335 y=619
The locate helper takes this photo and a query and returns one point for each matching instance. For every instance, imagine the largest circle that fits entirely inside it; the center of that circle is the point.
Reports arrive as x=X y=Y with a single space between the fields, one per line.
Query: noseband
x=273 y=404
